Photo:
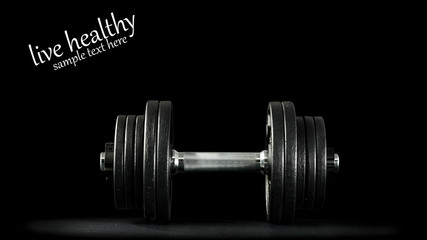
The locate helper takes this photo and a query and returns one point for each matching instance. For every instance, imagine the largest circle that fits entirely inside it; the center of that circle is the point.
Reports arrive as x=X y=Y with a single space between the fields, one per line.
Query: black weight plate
x=290 y=189
x=274 y=180
x=118 y=162
x=320 y=162
x=164 y=154
x=150 y=155
x=310 y=141
x=301 y=162
x=128 y=170
x=139 y=161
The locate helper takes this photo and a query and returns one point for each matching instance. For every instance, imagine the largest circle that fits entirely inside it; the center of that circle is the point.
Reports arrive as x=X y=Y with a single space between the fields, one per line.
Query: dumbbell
x=296 y=162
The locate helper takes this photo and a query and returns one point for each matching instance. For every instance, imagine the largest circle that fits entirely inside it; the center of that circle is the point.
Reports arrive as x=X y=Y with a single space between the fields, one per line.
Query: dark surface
x=220 y=65
x=202 y=229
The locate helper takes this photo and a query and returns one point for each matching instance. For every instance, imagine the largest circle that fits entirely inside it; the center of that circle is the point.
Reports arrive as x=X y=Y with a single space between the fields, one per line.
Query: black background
x=220 y=65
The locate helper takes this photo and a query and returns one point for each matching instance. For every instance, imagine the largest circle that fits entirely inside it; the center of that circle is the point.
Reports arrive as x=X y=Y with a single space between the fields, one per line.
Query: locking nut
x=106 y=158
x=263 y=162
x=336 y=163
x=333 y=161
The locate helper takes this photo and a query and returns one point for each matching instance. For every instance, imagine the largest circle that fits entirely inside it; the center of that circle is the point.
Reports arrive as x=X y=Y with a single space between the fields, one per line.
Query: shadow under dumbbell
x=206 y=229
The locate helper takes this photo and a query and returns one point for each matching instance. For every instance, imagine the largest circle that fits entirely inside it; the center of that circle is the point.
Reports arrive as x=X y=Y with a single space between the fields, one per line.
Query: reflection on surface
x=117 y=227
